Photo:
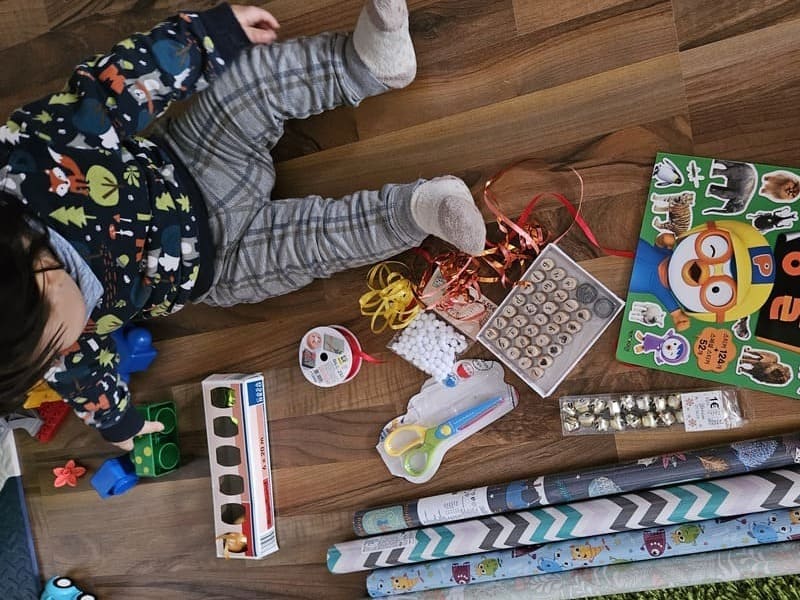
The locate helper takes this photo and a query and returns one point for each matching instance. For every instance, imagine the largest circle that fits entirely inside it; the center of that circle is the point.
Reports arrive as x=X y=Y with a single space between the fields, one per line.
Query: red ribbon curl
x=508 y=258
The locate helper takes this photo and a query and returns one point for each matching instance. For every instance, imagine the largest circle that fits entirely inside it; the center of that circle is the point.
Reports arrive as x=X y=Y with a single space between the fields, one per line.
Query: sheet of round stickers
x=549 y=320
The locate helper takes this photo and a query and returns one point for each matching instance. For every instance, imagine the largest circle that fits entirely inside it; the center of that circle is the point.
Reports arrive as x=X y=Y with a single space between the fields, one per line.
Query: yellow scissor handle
x=403 y=439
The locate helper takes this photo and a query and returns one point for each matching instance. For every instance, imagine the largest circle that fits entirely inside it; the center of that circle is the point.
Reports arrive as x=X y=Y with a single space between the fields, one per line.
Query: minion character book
x=715 y=287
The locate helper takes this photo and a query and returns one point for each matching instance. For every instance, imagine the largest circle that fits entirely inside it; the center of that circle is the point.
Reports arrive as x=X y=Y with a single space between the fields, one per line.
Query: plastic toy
x=156 y=454
x=135 y=349
x=68 y=474
x=53 y=414
x=51 y=408
x=63 y=588
x=39 y=394
x=114 y=477
x=27 y=419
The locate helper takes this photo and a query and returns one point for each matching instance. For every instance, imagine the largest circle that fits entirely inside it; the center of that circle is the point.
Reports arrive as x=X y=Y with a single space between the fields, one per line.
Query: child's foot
x=444 y=207
x=382 y=41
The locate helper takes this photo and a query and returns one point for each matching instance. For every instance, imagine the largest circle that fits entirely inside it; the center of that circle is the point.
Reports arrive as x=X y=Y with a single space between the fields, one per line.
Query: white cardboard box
x=241 y=474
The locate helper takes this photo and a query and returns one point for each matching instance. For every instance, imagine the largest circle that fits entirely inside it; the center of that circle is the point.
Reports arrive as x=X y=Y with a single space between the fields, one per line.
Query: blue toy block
x=135 y=348
x=114 y=477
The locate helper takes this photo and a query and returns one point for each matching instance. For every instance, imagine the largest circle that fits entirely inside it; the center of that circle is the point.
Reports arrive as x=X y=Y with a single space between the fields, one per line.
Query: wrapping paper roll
x=629 y=546
x=739 y=495
x=669 y=469
x=712 y=567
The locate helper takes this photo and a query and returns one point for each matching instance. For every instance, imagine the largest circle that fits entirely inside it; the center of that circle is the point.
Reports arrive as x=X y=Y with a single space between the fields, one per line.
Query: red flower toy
x=68 y=474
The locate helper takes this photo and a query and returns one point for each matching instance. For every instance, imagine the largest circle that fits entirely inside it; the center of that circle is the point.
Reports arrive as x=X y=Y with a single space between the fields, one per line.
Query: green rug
x=770 y=588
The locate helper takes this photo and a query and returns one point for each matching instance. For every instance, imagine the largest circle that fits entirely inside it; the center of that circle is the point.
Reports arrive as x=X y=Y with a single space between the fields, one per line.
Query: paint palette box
x=713 y=292
x=241 y=474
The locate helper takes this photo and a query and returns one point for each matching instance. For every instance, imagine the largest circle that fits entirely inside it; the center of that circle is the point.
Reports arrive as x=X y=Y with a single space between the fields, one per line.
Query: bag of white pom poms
x=431 y=344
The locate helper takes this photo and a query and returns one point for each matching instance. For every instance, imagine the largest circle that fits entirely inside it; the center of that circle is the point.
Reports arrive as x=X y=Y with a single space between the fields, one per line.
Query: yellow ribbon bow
x=390 y=298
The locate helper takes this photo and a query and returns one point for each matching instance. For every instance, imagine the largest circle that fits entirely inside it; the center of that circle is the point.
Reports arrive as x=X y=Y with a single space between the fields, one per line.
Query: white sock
x=444 y=207
x=382 y=41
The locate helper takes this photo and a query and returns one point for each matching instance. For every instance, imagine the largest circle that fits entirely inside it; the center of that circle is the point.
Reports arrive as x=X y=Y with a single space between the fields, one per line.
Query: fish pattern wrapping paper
x=631 y=546
x=750 y=562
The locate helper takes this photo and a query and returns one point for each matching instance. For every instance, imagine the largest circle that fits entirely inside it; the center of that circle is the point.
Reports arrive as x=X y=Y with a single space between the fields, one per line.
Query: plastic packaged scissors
x=417 y=444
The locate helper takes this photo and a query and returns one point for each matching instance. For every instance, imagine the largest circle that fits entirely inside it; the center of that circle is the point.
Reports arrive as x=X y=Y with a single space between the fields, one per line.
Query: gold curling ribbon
x=390 y=298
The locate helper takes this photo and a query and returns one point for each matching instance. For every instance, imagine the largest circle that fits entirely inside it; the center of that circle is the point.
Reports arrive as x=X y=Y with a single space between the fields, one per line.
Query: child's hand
x=148 y=427
x=258 y=24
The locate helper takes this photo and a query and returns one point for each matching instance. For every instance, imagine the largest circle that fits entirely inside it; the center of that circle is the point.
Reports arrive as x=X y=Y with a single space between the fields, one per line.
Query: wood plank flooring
x=599 y=86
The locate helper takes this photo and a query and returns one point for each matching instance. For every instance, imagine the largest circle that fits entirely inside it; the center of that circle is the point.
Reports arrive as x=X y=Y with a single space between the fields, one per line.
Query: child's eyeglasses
x=56 y=267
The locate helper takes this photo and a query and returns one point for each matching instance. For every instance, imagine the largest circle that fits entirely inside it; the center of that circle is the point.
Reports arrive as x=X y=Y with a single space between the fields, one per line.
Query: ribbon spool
x=331 y=355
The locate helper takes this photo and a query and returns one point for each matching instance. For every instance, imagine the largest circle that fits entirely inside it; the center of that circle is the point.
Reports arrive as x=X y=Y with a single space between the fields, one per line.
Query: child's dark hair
x=24 y=311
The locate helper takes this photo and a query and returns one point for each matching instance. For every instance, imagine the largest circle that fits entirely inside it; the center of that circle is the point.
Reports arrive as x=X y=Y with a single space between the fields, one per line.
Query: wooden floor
x=599 y=86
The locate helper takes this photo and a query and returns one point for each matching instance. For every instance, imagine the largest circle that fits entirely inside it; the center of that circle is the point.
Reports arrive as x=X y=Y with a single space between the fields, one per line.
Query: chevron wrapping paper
x=693 y=569
x=732 y=496
x=628 y=546
x=545 y=490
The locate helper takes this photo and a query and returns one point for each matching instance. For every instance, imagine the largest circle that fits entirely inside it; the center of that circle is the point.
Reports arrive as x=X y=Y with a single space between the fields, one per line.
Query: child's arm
x=143 y=74
x=118 y=94
x=88 y=380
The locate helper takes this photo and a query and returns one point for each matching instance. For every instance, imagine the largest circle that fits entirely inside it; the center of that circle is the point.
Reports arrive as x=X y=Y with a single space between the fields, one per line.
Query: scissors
x=416 y=444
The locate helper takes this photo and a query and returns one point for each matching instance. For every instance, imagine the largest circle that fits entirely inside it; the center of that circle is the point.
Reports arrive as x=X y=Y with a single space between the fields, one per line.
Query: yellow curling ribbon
x=390 y=298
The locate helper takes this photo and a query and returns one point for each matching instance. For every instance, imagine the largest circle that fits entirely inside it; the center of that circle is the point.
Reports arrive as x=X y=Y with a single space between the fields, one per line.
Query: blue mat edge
x=26 y=518
x=14 y=485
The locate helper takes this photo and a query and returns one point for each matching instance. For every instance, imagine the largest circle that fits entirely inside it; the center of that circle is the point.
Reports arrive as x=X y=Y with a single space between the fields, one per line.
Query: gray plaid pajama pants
x=269 y=247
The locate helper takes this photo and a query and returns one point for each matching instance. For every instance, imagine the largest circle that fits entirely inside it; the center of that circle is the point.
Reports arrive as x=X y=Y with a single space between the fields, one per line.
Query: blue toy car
x=63 y=588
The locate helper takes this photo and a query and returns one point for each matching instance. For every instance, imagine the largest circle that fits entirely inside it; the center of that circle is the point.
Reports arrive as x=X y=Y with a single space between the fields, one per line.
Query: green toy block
x=156 y=454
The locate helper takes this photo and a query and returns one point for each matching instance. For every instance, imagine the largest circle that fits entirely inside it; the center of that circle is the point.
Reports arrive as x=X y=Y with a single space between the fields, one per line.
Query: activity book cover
x=715 y=287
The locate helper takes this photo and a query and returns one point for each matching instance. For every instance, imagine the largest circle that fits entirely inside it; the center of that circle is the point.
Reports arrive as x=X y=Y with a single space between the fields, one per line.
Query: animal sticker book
x=715 y=286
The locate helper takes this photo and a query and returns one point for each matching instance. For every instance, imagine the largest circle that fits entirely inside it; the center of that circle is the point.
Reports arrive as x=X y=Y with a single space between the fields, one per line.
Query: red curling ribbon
x=522 y=243
x=358 y=353
x=322 y=359
x=522 y=227
x=462 y=282
x=523 y=240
